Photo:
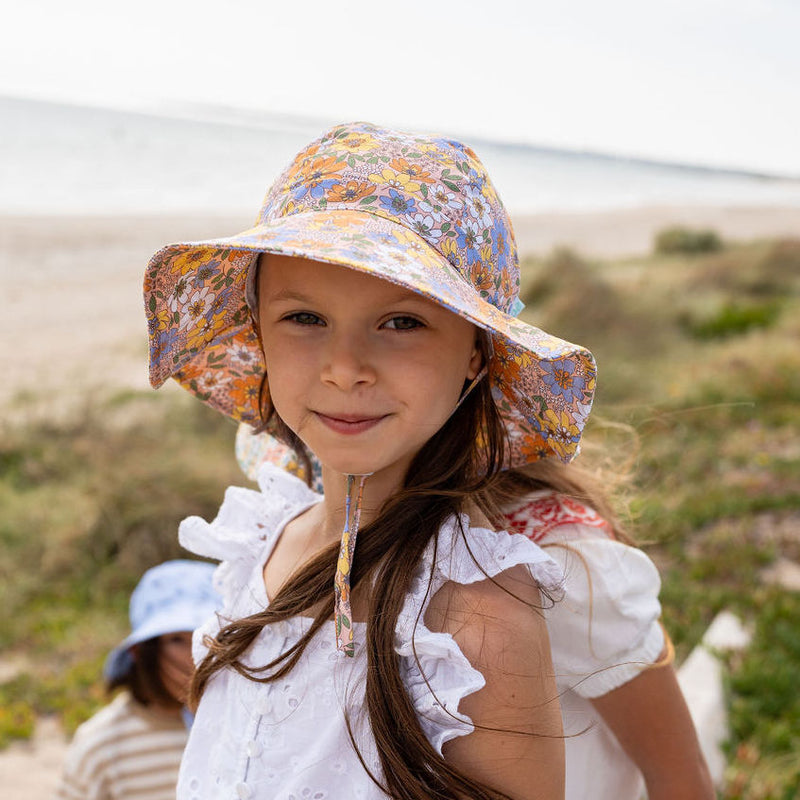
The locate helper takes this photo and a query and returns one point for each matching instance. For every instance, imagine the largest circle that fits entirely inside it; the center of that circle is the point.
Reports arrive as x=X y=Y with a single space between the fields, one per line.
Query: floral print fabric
x=416 y=210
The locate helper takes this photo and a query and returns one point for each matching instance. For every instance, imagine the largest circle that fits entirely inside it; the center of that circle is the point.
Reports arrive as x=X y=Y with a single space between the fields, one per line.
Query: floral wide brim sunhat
x=419 y=211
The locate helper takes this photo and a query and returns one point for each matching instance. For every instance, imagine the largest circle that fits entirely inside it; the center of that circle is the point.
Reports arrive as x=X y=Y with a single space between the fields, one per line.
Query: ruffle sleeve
x=240 y=533
x=605 y=631
x=436 y=673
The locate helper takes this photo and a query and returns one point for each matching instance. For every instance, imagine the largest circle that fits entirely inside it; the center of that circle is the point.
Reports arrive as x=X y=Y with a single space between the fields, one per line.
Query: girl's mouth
x=349 y=423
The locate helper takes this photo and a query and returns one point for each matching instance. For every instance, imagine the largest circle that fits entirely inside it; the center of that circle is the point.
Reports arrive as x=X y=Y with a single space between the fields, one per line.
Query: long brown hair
x=443 y=476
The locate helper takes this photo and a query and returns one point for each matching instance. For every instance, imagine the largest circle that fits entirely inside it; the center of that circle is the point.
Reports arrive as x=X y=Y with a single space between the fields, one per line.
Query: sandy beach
x=73 y=322
x=72 y=285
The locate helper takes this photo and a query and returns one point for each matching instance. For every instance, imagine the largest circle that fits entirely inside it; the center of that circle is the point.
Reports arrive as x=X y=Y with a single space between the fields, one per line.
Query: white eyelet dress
x=287 y=740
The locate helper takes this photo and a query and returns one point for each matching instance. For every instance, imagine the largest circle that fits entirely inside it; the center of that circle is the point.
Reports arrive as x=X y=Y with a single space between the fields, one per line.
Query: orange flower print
x=413 y=171
x=534 y=448
x=349 y=192
x=508 y=285
x=317 y=177
x=244 y=392
x=481 y=277
x=499 y=242
x=357 y=143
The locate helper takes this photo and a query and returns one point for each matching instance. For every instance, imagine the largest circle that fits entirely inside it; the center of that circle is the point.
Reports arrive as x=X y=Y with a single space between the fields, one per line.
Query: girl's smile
x=349 y=423
x=362 y=370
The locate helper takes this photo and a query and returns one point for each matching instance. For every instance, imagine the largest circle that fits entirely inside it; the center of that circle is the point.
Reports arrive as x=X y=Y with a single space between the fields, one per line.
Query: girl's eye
x=403 y=324
x=304 y=318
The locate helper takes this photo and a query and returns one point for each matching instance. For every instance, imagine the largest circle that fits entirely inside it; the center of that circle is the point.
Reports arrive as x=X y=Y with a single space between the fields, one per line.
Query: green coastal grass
x=707 y=425
x=715 y=489
x=88 y=505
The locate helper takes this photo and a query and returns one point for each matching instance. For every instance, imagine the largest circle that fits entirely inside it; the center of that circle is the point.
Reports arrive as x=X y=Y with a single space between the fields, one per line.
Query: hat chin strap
x=342 y=610
x=475 y=381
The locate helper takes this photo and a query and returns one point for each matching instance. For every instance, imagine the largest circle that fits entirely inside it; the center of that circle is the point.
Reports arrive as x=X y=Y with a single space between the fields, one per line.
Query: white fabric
x=287 y=739
x=603 y=633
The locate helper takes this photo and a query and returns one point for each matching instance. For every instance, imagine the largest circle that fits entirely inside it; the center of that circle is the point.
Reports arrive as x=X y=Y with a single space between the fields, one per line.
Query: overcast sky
x=703 y=81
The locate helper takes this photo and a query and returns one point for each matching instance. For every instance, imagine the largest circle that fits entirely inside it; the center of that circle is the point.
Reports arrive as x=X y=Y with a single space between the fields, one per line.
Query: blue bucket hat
x=172 y=597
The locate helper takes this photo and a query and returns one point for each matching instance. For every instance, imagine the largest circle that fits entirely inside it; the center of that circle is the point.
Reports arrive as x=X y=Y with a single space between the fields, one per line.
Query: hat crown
x=171 y=585
x=432 y=186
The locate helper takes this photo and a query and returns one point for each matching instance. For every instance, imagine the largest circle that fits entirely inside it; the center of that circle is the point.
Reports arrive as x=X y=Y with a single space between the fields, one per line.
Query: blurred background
x=648 y=155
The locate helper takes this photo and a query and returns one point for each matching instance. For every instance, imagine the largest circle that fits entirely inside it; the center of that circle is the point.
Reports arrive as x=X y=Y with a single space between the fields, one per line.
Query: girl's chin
x=336 y=468
x=332 y=471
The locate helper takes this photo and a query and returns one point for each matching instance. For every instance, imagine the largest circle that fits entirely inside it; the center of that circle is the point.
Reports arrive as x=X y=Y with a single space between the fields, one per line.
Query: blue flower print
x=398 y=204
x=470 y=238
x=207 y=271
x=561 y=379
x=163 y=342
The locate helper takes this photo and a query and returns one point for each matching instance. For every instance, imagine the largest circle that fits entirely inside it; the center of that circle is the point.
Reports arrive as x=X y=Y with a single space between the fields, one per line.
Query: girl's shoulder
x=468 y=575
x=541 y=515
x=247 y=522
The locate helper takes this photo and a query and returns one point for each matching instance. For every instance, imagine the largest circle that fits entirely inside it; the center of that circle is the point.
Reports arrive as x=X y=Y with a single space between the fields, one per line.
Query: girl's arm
x=649 y=717
x=517 y=746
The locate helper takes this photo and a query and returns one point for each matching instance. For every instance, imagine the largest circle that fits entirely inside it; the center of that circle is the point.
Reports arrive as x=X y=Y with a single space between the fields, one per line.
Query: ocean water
x=60 y=159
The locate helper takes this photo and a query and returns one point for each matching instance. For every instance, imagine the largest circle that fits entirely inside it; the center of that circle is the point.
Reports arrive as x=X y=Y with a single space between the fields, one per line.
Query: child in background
x=369 y=319
x=617 y=684
x=131 y=749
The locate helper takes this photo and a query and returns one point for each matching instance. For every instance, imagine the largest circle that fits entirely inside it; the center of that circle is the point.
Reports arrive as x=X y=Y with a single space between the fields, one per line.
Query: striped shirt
x=126 y=751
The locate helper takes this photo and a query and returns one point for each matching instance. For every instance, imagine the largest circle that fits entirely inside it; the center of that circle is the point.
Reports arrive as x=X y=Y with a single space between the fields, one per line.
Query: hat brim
x=202 y=332
x=176 y=618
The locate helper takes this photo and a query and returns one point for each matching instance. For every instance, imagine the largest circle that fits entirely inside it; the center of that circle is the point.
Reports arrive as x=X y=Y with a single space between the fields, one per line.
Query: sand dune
x=72 y=307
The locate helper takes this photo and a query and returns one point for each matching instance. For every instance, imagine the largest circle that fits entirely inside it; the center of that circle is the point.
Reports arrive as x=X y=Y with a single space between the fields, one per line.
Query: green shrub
x=733 y=319
x=686 y=241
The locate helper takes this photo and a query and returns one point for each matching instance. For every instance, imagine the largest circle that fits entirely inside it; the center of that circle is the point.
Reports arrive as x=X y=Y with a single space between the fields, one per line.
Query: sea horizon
x=63 y=159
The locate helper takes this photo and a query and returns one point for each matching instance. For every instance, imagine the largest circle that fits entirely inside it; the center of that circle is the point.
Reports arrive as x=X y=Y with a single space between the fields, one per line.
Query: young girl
x=131 y=749
x=384 y=639
x=625 y=719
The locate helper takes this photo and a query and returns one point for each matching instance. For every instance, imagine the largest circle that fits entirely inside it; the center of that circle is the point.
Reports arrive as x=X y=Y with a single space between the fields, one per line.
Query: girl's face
x=175 y=663
x=362 y=370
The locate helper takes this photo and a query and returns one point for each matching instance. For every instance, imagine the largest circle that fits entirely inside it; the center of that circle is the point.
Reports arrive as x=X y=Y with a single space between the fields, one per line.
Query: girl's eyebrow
x=287 y=294
x=297 y=296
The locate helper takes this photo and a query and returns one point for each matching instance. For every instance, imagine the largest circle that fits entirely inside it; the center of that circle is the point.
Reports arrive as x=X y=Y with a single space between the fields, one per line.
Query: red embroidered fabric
x=536 y=518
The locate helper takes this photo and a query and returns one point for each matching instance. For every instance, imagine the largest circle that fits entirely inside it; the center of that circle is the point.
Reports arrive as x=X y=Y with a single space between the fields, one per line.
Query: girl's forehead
x=281 y=275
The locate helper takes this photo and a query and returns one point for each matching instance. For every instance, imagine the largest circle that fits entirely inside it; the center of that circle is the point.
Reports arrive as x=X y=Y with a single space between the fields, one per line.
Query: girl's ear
x=476 y=360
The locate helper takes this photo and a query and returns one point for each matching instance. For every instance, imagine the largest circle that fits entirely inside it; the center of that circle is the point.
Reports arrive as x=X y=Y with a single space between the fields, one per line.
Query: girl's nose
x=347 y=363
